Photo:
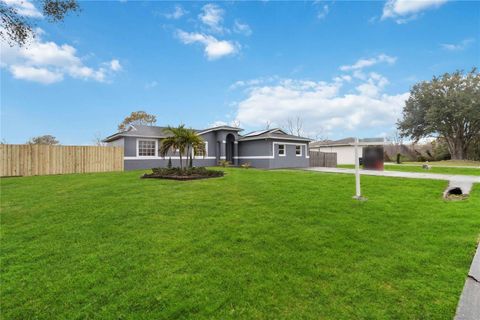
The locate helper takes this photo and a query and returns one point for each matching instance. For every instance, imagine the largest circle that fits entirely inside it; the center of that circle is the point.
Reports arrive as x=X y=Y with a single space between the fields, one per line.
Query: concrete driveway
x=463 y=182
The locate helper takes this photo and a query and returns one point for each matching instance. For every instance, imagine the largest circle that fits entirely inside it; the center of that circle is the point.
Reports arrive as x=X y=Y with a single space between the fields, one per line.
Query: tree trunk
x=457 y=148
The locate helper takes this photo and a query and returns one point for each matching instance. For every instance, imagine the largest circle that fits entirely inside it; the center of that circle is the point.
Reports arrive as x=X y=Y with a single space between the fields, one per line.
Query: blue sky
x=343 y=68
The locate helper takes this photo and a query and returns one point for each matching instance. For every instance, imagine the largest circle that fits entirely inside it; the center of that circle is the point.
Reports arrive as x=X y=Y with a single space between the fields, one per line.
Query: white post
x=357 y=172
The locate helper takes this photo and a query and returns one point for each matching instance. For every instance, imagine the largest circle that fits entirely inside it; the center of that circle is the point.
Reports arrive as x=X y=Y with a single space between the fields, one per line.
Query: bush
x=246 y=165
x=224 y=163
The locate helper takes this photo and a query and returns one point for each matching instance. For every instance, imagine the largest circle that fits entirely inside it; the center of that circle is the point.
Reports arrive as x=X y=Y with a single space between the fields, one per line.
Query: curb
x=469 y=304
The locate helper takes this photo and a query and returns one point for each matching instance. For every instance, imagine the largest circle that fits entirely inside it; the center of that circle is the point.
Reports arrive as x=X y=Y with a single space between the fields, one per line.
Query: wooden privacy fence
x=32 y=160
x=323 y=159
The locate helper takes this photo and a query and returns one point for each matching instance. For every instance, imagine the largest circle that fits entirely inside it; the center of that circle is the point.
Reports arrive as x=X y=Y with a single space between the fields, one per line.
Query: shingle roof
x=275 y=133
x=348 y=142
x=341 y=142
x=157 y=132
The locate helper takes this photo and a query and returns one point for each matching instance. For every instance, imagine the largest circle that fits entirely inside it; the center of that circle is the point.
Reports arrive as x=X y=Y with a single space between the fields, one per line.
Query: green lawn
x=418 y=168
x=254 y=244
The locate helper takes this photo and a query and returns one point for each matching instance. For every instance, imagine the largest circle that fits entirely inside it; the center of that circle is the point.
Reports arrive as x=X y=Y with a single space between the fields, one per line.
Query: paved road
x=455 y=180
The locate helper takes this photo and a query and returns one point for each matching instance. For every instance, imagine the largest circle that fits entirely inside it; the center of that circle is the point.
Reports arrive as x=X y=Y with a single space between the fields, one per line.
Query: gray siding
x=256 y=152
x=259 y=149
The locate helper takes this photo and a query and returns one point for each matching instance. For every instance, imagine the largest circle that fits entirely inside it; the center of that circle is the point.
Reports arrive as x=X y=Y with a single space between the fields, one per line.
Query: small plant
x=169 y=165
x=224 y=163
x=246 y=165
x=426 y=166
x=399 y=158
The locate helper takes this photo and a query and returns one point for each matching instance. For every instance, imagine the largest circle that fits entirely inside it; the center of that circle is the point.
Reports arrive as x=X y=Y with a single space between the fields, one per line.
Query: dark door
x=229 y=147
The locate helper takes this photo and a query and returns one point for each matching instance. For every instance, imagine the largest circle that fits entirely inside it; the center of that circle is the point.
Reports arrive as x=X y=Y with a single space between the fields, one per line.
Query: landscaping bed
x=183 y=174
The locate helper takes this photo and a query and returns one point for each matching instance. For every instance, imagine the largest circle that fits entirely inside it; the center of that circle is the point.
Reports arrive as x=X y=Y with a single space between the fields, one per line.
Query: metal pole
x=357 y=172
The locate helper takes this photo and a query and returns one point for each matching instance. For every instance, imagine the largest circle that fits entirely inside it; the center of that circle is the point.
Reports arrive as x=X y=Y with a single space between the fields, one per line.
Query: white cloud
x=24 y=8
x=41 y=75
x=115 y=65
x=459 y=46
x=214 y=48
x=212 y=16
x=323 y=106
x=242 y=28
x=177 y=13
x=405 y=10
x=47 y=62
x=364 y=63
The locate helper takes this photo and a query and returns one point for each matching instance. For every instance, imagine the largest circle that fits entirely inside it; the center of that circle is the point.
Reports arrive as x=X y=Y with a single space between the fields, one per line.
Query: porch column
x=235 y=153
x=223 y=150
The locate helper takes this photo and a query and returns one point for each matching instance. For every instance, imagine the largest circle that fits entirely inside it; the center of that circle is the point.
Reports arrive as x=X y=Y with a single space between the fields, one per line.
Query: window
x=281 y=150
x=202 y=153
x=146 y=148
x=298 y=151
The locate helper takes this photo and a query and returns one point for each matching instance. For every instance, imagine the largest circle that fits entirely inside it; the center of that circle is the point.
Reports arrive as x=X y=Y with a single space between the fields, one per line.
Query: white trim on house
x=307 y=156
x=166 y=158
x=137 y=148
x=226 y=128
x=301 y=150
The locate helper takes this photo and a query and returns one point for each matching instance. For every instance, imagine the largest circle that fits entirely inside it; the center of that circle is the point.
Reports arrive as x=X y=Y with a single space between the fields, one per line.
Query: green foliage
x=255 y=244
x=16 y=28
x=45 y=139
x=224 y=163
x=184 y=140
x=447 y=106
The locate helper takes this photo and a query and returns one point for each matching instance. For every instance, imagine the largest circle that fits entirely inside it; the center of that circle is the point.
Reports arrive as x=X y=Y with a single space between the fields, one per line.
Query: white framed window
x=298 y=150
x=147 y=147
x=201 y=154
x=282 y=150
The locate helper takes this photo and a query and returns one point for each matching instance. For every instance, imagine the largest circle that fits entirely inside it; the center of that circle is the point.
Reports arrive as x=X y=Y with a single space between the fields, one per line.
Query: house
x=345 y=148
x=272 y=148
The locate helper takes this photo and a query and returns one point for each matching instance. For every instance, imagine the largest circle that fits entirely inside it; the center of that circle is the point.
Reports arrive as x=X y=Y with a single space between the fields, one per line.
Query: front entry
x=229 y=147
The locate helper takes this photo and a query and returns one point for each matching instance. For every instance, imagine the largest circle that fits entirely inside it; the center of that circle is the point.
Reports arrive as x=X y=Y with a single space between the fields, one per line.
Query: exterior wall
x=116 y=143
x=264 y=154
x=345 y=154
x=259 y=153
x=134 y=164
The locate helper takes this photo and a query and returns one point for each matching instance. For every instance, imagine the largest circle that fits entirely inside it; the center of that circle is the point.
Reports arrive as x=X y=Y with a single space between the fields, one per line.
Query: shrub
x=224 y=163
x=399 y=156
x=246 y=165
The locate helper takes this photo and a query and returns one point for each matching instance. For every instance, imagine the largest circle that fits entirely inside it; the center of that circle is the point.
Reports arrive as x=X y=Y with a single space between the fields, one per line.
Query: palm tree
x=185 y=140
x=174 y=142
x=194 y=143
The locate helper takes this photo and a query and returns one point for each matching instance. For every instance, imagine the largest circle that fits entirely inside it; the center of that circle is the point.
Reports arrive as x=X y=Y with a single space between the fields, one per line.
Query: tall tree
x=447 y=107
x=45 y=139
x=138 y=117
x=16 y=28
x=294 y=126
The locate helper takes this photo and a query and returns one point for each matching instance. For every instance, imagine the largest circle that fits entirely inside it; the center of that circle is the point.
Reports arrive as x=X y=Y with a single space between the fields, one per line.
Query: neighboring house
x=345 y=148
x=268 y=149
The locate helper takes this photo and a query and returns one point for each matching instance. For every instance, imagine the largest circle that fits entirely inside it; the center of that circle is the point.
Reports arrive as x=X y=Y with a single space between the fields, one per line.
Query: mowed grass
x=418 y=168
x=254 y=244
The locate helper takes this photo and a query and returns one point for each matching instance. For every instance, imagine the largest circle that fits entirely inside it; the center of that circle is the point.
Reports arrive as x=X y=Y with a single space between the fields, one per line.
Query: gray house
x=268 y=149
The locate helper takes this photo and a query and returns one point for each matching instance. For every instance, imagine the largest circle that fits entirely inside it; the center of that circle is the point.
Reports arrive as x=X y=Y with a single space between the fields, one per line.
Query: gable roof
x=327 y=143
x=157 y=132
x=348 y=142
x=276 y=133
